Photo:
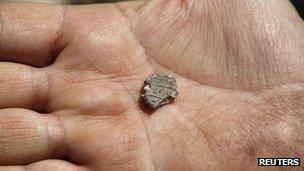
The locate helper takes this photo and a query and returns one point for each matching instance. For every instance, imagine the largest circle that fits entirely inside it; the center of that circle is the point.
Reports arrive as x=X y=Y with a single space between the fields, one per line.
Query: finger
x=27 y=136
x=46 y=165
x=30 y=33
x=22 y=86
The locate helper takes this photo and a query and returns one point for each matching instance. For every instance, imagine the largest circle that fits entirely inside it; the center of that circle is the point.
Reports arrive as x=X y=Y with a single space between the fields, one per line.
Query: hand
x=70 y=81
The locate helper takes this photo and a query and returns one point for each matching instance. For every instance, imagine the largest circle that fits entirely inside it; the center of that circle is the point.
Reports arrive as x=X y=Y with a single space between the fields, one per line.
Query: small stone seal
x=159 y=89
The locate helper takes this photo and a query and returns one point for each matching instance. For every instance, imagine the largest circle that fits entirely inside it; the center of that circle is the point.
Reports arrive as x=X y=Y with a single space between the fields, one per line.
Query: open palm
x=71 y=77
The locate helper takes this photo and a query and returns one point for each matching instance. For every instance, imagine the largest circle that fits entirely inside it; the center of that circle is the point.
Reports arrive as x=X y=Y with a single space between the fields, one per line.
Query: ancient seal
x=159 y=89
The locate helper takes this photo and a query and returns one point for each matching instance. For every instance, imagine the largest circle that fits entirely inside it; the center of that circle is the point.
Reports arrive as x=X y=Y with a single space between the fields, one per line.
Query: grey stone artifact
x=159 y=89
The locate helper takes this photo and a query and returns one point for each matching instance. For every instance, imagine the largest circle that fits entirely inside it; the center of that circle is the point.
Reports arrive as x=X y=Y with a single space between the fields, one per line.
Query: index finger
x=31 y=33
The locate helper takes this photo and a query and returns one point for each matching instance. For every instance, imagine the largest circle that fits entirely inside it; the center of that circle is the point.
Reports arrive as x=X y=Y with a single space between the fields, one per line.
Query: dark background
x=299 y=4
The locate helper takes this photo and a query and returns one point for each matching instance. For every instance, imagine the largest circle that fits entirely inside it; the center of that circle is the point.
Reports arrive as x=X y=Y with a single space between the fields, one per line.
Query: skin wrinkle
x=191 y=37
x=200 y=126
x=104 y=79
x=34 y=88
x=272 y=26
x=90 y=106
x=107 y=153
x=1 y=24
x=84 y=125
x=214 y=148
x=215 y=23
x=200 y=28
x=228 y=43
x=152 y=162
x=11 y=135
x=265 y=96
x=235 y=53
x=49 y=88
x=164 y=38
x=168 y=67
x=127 y=141
x=203 y=107
x=157 y=27
x=118 y=113
x=172 y=19
x=92 y=65
x=37 y=92
x=264 y=80
x=262 y=51
x=61 y=136
x=198 y=83
x=272 y=51
x=115 y=78
x=286 y=132
x=275 y=120
x=195 y=128
x=27 y=81
x=93 y=79
x=21 y=130
x=189 y=121
x=56 y=50
x=115 y=75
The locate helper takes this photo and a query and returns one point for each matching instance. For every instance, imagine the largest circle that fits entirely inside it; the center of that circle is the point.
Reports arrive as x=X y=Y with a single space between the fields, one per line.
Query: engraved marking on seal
x=159 y=89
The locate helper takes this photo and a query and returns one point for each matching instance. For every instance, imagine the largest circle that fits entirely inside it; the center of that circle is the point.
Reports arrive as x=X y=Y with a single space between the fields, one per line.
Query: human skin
x=71 y=76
